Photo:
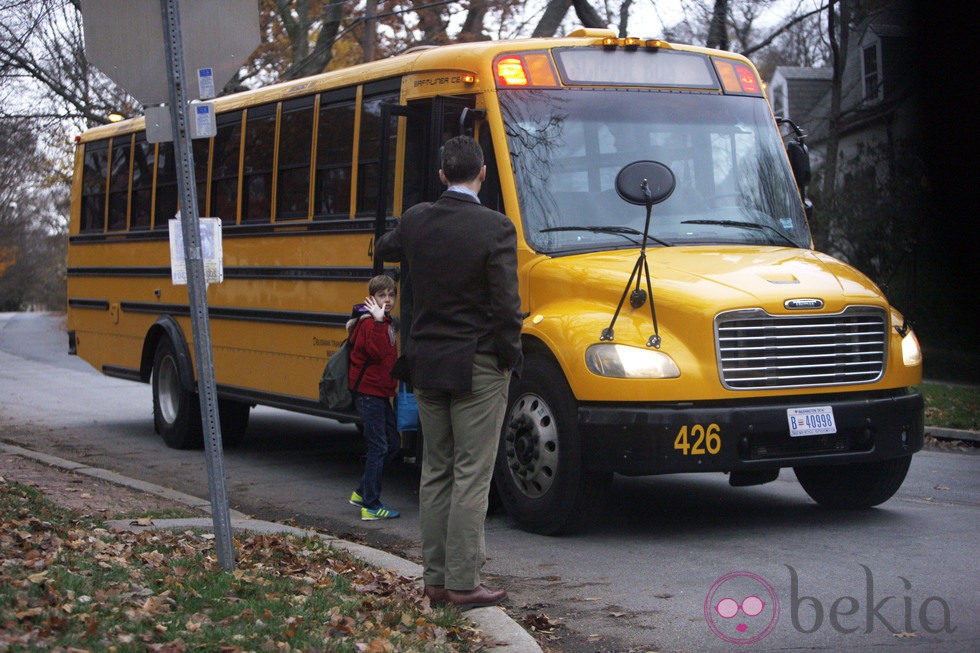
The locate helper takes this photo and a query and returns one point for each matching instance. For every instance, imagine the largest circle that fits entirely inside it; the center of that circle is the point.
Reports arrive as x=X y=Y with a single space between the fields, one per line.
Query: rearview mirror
x=645 y=182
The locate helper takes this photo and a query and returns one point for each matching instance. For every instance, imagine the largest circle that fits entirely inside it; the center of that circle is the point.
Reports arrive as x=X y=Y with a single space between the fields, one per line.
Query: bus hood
x=708 y=279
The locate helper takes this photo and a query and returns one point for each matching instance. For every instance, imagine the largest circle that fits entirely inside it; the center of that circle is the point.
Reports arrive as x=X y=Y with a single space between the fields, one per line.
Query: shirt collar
x=465 y=191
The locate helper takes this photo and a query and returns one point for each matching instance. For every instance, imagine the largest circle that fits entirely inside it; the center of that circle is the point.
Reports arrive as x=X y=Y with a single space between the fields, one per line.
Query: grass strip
x=69 y=583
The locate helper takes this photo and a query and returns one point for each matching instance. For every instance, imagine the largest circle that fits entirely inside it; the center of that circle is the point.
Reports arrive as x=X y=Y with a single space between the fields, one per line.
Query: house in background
x=878 y=102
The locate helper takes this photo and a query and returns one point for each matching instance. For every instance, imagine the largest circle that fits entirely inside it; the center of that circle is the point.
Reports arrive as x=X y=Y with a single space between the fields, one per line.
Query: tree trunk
x=838 y=36
x=587 y=14
x=718 y=30
x=473 y=25
x=624 y=17
x=554 y=13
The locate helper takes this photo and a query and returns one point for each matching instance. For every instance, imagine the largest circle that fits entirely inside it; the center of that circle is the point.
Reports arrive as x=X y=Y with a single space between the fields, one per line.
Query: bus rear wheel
x=176 y=410
x=539 y=475
x=855 y=486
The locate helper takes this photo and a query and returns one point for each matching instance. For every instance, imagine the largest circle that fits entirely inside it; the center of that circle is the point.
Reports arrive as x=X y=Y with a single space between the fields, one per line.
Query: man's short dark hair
x=462 y=159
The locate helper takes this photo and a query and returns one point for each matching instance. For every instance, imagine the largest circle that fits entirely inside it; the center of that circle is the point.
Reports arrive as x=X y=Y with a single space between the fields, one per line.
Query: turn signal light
x=737 y=77
x=511 y=72
x=531 y=69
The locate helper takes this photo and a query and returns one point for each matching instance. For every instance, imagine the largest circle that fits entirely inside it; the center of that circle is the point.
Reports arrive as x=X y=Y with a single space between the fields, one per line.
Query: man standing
x=463 y=344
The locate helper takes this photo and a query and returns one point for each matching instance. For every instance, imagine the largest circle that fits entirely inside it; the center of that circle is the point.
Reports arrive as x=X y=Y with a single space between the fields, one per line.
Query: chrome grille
x=757 y=350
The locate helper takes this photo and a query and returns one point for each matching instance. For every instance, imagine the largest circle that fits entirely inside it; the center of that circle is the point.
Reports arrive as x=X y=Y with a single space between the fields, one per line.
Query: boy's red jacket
x=373 y=344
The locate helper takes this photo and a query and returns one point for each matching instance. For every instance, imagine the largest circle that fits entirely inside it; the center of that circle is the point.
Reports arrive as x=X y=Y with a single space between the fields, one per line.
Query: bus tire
x=176 y=409
x=855 y=486
x=233 y=415
x=539 y=473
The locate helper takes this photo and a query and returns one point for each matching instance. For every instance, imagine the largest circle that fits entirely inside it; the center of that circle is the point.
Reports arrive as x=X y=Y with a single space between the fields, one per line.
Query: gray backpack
x=335 y=393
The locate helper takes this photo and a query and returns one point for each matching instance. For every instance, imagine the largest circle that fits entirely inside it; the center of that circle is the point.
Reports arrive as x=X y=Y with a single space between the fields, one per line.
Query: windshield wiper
x=625 y=232
x=747 y=225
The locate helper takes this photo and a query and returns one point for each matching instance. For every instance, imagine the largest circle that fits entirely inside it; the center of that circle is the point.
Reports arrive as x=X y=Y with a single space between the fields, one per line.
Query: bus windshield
x=733 y=184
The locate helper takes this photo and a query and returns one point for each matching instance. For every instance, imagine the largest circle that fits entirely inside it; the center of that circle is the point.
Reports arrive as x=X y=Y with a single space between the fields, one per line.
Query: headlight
x=624 y=362
x=911 y=353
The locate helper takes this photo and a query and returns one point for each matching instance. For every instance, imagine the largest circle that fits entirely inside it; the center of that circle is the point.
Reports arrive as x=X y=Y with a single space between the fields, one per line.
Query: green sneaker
x=379 y=513
x=356 y=499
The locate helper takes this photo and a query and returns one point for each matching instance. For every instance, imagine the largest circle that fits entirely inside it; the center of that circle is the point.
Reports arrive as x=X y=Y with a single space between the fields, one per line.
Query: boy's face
x=385 y=299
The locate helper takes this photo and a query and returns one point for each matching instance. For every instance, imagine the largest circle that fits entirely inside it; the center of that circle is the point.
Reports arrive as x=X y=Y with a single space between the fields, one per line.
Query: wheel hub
x=531 y=445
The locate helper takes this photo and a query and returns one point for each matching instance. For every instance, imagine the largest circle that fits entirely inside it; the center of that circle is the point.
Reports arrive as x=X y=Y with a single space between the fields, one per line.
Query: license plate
x=815 y=420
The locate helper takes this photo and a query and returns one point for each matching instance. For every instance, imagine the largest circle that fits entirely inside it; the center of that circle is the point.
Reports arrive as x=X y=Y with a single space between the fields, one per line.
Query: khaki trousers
x=460 y=435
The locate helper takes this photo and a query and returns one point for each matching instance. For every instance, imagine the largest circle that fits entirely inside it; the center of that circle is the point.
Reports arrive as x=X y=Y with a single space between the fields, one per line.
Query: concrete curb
x=508 y=635
x=953 y=434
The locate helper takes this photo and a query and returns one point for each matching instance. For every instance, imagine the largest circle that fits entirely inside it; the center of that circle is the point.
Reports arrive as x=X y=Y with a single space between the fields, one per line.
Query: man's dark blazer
x=462 y=259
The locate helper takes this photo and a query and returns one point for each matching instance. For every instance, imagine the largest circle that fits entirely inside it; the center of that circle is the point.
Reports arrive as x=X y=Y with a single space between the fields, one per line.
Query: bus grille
x=757 y=350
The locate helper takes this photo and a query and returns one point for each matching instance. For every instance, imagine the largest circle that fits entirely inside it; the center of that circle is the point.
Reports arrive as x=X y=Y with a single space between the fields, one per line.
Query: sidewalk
x=492 y=621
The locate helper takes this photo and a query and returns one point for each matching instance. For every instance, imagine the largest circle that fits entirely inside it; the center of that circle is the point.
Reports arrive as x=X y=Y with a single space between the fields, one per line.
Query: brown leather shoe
x=436 y=594
x=480 y=597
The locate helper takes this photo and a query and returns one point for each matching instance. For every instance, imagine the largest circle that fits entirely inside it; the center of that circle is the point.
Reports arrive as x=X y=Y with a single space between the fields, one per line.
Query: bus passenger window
x=369 y=156
x=201 y=148
x=224 y=171
x=260 y=142
x=295 y=148
x=166 y=204
x=142 y=193
x=334 y=154
x=93 y=185
x=119 y=182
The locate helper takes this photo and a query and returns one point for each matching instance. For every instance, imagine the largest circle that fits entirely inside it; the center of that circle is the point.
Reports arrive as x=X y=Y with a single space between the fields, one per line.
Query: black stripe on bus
x=264 y=229
x=286 y=402
x=246 y=314
x=122 y=372
x=95 y=304
x=296 y=273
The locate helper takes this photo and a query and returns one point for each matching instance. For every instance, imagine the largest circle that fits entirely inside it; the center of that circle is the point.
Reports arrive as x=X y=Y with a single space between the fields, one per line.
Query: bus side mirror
x=799 y=161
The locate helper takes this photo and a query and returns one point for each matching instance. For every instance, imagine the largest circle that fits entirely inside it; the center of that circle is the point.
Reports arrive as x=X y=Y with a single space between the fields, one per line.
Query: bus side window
x=260 y=141
x=122 y=146
x=166 y=203
x=142 y=192
x=295 y=149
x=334 y=155
x=224 y=170
x=201 y=148
x=93 y=185
x=369 y=155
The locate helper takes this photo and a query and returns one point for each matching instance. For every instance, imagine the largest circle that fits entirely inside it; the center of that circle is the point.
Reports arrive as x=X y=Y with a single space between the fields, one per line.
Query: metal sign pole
x=196 y=286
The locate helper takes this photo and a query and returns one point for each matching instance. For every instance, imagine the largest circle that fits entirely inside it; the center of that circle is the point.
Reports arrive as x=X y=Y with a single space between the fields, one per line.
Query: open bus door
x=429 y=123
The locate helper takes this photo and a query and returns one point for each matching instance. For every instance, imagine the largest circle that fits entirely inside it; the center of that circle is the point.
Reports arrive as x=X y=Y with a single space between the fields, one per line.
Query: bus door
x=429 y=123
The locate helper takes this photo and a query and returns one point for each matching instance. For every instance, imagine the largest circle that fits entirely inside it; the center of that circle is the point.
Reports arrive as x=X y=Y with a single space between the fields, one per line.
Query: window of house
x=872 y=82
x=779 y=101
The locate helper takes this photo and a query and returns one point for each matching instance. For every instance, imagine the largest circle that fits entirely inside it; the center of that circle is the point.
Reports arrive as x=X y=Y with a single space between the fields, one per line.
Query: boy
x=373 y=353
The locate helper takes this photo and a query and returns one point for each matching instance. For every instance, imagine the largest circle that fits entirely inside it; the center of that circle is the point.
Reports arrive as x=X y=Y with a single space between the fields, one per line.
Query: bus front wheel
x=539 y=473
x=855 y=486
x=176 y=410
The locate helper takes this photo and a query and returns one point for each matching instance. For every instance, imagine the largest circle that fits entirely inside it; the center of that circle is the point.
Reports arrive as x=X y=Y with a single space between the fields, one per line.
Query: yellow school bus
x=677 y=317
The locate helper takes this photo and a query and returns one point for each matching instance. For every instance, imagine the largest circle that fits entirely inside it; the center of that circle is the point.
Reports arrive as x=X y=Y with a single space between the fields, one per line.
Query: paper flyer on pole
x=211 y=252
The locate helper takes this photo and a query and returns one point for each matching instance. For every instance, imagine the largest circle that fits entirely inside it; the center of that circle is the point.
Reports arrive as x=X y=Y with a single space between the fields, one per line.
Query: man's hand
x=376 y=310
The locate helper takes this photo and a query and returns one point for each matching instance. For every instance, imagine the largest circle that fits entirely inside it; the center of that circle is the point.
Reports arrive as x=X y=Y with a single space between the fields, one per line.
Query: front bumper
x=640 y=439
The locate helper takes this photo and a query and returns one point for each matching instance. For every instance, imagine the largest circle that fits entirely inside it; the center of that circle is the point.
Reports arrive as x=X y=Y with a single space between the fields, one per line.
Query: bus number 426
x=698 y=441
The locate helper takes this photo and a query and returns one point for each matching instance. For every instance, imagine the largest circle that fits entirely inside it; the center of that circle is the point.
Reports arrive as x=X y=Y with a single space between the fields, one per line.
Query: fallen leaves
x=70 y=579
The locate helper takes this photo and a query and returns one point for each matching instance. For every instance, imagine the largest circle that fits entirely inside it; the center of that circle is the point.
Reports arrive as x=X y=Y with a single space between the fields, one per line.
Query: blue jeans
x=383 y=444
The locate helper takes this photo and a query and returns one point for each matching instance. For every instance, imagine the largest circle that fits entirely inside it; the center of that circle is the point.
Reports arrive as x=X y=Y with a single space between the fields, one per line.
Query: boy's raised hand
x=376 y=310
